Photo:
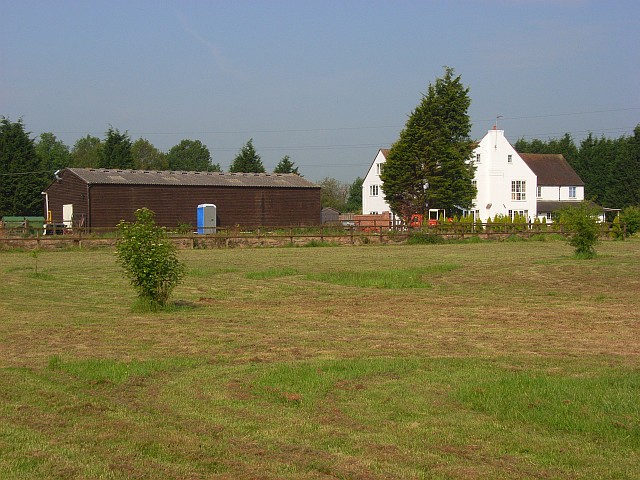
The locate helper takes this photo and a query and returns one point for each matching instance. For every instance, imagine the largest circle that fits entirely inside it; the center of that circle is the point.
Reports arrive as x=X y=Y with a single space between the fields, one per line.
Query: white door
x=67 y=215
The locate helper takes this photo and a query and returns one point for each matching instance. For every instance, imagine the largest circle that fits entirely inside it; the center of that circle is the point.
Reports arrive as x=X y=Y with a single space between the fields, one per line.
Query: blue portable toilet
x=206 y=218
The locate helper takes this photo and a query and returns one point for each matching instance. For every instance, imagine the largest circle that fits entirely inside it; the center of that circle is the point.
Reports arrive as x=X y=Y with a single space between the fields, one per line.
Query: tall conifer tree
x=21 y=175
x=429 y=166
x=247 y=160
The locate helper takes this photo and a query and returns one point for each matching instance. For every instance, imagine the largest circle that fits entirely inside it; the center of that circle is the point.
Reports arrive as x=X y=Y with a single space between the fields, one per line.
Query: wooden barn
x=91 y=198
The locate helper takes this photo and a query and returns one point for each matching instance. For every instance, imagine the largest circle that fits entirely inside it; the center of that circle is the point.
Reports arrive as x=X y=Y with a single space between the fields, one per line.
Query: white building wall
x=499 y=165
x=372 y=194
x=562 y=193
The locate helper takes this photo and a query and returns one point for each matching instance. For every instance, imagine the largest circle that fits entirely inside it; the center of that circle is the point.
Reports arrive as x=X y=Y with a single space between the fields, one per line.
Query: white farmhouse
x=373 y=201
x=508 y=183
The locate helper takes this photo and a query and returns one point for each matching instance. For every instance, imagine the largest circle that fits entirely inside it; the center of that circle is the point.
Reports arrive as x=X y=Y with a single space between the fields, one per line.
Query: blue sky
x=325 y=82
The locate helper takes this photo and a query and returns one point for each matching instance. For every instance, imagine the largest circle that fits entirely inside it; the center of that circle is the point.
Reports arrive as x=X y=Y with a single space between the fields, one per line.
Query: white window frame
x=509 y=158
x=539 y=192
x=572 y=192
x=374 y=190
x=379 y=168
x=519 y=190
x=477 y=158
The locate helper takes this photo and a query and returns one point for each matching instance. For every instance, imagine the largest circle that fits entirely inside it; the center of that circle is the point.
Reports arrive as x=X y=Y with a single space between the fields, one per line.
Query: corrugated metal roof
x=551 y=169
x=151 y=177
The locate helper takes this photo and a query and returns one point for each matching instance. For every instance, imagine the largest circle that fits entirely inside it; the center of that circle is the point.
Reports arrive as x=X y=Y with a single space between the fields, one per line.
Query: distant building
x=508 y=183
x=330 y=215
x=86 y=197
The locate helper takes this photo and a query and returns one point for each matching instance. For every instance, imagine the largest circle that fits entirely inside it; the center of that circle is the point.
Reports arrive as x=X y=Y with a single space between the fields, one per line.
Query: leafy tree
x=429 y=165
x=116 y=150
x=333 y=194
x=582 y=222
x=354 y=196
x=86 y=152
x=247 y=160
x=21 y=175
x=286 y=166
x=148 y=157
x=53 y=153
x=149 y=258
x=193 y=156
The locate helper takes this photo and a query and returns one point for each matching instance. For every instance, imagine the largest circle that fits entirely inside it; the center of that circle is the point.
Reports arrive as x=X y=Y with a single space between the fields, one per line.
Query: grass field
x=455 y=361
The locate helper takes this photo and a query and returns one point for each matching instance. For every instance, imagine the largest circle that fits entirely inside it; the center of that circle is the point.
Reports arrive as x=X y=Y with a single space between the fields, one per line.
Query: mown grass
x=518 y=361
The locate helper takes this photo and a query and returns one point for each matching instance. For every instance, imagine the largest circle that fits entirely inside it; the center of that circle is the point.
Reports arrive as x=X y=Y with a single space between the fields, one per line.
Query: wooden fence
x=295 y=236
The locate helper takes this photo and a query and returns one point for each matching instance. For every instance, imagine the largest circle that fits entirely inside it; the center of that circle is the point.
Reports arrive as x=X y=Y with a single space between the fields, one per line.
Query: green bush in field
x=582 y=222
x=421 y=238
x=630 y=216
x=149 y=258
x=616 y=229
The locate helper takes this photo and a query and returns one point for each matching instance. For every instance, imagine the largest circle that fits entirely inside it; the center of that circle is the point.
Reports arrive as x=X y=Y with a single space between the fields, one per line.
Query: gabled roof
x=551 y=169
x=105 y=176
x=385 y=153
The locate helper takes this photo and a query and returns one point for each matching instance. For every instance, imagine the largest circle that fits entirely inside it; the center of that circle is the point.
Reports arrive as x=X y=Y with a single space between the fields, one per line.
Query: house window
x=477 y=158
x=518 y=190
x=379 y=168
x=549 y=216
x=539 y=192
x=572 y=192
x=509 y=158
x=520 y=213
x=373 y=190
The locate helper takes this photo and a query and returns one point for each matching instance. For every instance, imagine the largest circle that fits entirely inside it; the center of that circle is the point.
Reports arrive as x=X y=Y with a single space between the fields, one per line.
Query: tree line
x=609 y=168
x=27 y=165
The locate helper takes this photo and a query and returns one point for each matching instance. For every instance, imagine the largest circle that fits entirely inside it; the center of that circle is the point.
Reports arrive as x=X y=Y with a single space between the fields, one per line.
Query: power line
x=368 y=127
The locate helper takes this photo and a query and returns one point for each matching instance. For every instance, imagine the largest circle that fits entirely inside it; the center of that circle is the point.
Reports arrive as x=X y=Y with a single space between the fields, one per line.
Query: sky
x=326 y=82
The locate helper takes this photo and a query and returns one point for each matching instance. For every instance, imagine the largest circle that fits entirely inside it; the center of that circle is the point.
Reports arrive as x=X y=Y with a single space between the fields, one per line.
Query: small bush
x=582 y=222
x=630 y=216
x=421 y=238
x=149 y=258
x=616 y=229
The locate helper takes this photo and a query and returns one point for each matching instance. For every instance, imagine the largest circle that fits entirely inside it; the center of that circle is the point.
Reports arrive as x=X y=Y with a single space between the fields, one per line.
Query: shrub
x=630 y=216
x=149 y=258
x=616 y=229
x=421 y=238
x=582 y=223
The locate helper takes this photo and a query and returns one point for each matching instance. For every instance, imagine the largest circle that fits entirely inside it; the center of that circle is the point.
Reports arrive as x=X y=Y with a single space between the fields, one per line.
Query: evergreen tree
x=286 y=166
x=21 y=175
x=429 y=166
x=247 y=160
x=116 y=150
x=354 y=196
x=86 y=152
x=191 y=155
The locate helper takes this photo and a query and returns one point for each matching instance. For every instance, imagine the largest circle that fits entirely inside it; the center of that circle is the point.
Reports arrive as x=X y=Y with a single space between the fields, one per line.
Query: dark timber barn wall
x=241 y=199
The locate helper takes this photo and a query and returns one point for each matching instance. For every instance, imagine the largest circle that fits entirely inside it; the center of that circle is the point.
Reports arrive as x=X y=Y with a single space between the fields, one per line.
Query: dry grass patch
x=521 y=362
